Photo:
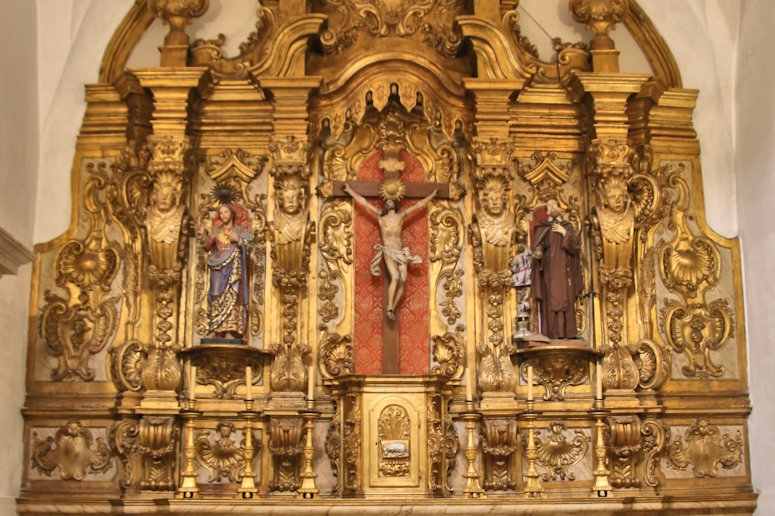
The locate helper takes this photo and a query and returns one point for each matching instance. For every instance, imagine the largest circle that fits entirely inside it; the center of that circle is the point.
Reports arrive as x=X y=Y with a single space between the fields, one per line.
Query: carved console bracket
x=557 y=366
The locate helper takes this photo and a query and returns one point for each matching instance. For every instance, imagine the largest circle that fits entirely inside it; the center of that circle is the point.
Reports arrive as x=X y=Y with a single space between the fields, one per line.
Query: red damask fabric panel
x=413 y=317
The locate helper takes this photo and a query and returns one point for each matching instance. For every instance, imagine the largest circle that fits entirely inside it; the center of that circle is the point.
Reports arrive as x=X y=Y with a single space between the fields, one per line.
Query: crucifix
x=391 y=252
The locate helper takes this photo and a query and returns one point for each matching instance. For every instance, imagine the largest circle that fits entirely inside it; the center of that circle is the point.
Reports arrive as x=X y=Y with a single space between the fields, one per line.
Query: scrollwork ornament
x=333 y=445
x=70 y=450
x=653 y=443
x=704 y=447
x=74 y=334
x=336 y=249
x=449 y=352
x=443 y=446
x=222 y=457
x=254 y=52
x=557 y=454
x=555 y=370
x=696 y=330
x=336 y=233
x=225 y=375
x=336 y=354
x=125 y=436
x=352 y=439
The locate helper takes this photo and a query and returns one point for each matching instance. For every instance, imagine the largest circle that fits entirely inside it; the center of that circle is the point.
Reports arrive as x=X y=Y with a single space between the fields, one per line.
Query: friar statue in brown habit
x=556 y=275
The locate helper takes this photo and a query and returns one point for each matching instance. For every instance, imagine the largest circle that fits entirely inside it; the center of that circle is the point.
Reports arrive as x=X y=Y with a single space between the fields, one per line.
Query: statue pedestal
x=558 y=365
x=392 y=428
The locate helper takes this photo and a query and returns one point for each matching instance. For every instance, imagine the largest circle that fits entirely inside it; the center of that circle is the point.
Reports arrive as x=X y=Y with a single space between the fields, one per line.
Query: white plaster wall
x=72 y=37
x=18 y=177
x=703 y=35
x=756 y=188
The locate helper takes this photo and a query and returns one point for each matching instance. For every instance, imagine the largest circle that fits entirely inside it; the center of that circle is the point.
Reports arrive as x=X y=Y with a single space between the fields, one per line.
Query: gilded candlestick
x=248 y=488
x=188 y=487
x=473 y=489
x=308 y=489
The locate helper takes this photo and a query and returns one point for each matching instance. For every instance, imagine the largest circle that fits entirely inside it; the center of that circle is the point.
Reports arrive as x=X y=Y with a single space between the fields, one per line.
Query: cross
x=390 y=362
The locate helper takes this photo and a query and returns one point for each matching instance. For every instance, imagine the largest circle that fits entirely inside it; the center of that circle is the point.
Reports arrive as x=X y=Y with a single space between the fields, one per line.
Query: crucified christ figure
x=392 y=250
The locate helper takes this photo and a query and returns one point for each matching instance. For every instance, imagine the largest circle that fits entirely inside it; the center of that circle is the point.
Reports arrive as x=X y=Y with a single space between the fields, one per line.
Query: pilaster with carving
x=443 y=445
x=291 y=234
x=492 y=235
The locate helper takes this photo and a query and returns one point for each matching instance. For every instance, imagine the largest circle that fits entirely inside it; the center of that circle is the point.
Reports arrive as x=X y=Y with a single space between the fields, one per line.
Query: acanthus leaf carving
x=285 y=445
x=499 y=442
x=624 y=448
x=449 y=351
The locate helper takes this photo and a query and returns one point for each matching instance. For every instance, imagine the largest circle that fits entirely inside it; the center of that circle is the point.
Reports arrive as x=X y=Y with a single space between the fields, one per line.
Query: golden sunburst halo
x=392 y=189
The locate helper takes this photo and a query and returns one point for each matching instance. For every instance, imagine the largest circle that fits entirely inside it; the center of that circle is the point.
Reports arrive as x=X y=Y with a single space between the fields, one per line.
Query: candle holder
x=602 y=487
x=188 y=487
x=473 y=489
x=533 y=488
x=248 y=487
x=308 y=489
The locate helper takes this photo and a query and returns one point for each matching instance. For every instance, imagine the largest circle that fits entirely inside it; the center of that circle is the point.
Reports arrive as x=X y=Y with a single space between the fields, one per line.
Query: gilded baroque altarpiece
x=212 y=330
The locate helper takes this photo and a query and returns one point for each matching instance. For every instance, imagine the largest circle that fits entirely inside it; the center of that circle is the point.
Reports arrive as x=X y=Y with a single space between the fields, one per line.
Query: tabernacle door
x=393 y=459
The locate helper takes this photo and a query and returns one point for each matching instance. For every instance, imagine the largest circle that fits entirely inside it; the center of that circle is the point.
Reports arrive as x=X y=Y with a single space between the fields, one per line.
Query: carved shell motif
x=690 y=263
